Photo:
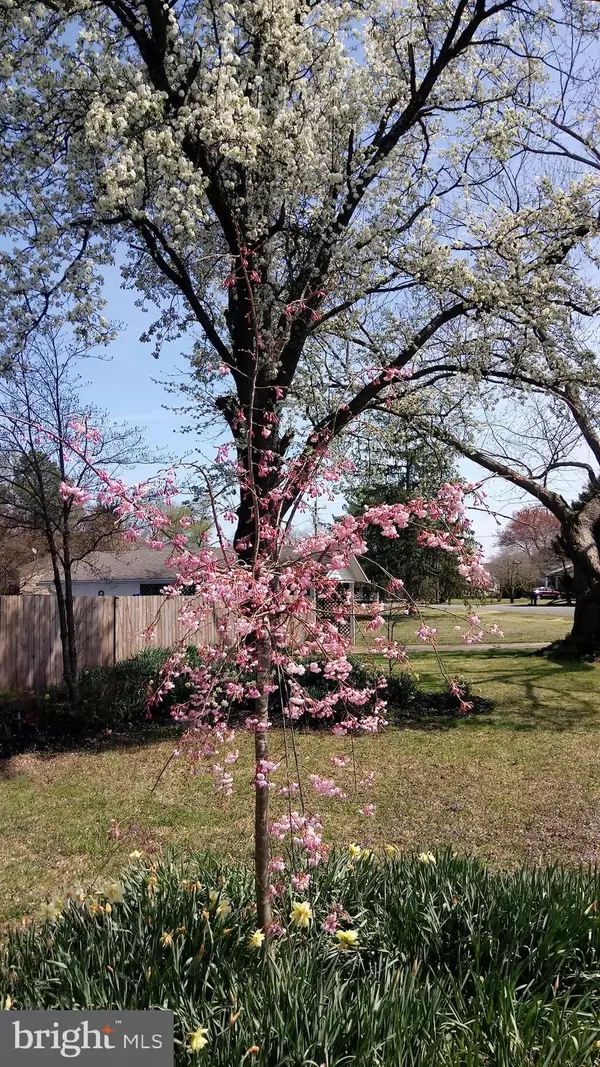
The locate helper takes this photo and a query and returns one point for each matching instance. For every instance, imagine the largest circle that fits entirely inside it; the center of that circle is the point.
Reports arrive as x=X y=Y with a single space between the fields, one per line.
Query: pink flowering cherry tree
x=271 y=637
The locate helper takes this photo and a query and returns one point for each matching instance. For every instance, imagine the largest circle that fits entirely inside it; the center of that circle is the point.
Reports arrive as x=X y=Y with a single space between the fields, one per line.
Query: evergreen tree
x=391 y=471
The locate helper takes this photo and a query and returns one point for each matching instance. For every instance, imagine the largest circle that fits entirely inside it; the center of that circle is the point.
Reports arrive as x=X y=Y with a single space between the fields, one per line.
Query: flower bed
x=376 y=960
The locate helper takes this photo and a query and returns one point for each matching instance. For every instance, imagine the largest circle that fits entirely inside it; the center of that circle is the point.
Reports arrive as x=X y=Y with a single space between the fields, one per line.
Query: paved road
x=527 y=609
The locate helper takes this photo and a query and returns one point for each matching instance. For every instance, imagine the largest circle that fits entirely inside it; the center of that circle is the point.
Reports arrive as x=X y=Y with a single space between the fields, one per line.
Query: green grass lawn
x=516 y=626
x=518 y=785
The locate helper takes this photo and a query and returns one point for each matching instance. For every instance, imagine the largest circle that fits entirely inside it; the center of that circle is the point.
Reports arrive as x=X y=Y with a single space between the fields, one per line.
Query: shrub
x=405 y=699
x=454 y=965
x=116 y=695
x=111 y=698
x=114 y=698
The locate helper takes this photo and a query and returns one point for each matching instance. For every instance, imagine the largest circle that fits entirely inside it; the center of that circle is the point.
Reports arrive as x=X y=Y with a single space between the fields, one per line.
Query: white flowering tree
x=318 y=191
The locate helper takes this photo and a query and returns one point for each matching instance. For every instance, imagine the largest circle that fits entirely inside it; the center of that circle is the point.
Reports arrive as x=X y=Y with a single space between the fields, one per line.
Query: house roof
x=139 y=565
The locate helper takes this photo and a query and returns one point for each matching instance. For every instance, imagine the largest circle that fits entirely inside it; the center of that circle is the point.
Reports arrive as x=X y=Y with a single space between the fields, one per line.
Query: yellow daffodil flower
x=347 y=938
x=47 y=911
x=198 y=1039
x=113 y=892
x=301 y=913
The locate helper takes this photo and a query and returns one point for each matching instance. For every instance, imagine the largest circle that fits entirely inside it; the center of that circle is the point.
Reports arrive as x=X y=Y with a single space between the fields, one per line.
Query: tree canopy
x=534 y=530
x=322 y=193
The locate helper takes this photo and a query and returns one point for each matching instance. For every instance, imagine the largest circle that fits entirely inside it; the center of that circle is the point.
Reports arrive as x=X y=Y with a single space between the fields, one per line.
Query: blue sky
x=124 y=384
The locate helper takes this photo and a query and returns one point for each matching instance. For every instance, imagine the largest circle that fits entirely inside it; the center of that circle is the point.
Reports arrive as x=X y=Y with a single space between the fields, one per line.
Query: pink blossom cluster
x=305 y=832
x=325 y=786
x=332 y=921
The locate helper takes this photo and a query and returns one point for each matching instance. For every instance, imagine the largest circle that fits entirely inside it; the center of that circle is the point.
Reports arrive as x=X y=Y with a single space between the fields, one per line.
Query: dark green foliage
x=116 y=695
x=114 y=699
x=405 y=700
x=429 y=574
x=456 y=965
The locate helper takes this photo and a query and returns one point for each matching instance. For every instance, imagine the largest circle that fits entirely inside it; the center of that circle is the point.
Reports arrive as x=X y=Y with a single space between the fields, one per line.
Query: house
x=138 y=572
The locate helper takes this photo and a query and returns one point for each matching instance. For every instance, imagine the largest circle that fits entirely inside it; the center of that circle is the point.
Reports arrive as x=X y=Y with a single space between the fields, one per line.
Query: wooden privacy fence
x=109 y=629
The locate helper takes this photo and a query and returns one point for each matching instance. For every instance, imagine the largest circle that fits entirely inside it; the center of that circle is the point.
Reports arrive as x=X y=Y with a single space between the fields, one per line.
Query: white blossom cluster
x=367 y=156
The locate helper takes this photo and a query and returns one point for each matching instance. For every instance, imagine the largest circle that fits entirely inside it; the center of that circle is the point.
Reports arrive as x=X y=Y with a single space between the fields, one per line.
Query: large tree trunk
x=586 y=623
x=585 y=635
x=261 y=802
x=579 y=542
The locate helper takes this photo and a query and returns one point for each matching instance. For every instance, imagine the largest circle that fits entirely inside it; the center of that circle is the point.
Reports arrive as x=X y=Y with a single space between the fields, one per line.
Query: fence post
x=115 y=629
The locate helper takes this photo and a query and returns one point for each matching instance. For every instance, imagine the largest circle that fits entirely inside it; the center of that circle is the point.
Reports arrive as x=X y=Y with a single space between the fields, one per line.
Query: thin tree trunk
x=62 y=625
x=73 y=684
x=261 y=802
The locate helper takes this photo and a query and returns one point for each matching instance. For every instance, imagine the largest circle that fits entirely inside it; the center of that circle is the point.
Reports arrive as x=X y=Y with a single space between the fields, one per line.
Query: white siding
x=124 y=588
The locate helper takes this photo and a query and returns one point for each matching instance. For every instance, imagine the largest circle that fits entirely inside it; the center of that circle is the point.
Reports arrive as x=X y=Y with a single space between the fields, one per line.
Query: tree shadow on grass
x=45 y=745
x=538 y=693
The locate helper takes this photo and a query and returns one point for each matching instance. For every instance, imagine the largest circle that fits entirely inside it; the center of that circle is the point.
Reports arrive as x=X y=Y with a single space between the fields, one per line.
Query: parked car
x=542 y=593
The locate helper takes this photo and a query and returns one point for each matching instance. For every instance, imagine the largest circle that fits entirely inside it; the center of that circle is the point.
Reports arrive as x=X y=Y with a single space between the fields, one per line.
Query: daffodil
x=113 y=892
x=74 y=895
x=427 y=857
x=136 y=854
x=191 y=887
x=301 y=913
x=47 y=911
x=392 y=850
x=347 y=938
x=198 y=1039
x=166 y=939
x=223 y=908
x=256 y=939
x=108 y=908
x=355 y=852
